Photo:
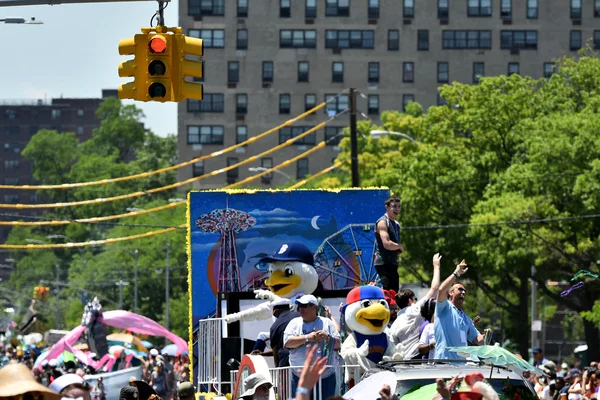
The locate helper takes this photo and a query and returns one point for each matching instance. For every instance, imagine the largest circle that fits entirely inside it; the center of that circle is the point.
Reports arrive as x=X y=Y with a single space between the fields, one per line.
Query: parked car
x=413 y=374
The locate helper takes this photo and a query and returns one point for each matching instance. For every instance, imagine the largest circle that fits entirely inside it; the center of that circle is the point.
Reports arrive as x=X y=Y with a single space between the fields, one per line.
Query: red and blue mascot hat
x=363 y=293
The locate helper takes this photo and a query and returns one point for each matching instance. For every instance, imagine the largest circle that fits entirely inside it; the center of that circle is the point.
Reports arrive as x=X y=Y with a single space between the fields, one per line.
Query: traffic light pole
x=13 y=3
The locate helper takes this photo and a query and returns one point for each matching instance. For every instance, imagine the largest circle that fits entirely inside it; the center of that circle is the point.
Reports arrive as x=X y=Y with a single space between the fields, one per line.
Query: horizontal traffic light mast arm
x=13 y=3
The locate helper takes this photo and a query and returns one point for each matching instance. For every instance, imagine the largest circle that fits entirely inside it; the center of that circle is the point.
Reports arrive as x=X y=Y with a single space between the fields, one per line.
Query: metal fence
x=210 y=332
x=282 y=382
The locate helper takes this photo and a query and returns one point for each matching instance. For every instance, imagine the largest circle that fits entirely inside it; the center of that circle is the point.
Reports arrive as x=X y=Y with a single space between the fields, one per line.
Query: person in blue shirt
x=452 y=327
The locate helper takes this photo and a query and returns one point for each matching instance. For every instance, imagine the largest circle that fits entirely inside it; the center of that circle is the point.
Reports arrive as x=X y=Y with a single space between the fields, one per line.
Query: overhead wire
x=180 y=165
x=315 y=176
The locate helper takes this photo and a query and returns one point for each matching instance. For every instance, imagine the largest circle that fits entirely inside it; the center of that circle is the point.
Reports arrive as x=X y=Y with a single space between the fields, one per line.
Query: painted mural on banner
x=230 y=232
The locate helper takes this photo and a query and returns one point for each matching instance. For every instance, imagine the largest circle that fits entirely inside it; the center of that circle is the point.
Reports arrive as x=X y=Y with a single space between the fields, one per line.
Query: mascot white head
x=291 y=270
x=366 y=312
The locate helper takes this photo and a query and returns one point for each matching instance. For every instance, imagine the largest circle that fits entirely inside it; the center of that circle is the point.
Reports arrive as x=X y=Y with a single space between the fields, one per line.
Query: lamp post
x=376 y=134
x=135 y=254
x=120 y=284
x=261 y=169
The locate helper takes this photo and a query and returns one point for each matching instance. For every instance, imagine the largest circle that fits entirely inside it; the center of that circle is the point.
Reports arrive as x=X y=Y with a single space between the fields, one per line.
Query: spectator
x=452 y=327
x=387 y=236
x=538 y=357
x=16 y=381
x=282 y=311
x=427 y=338
x=186 y=391
x=159 y=380
x=129 y=393
x=72 y=386
x=405 y=329
x=256 y=387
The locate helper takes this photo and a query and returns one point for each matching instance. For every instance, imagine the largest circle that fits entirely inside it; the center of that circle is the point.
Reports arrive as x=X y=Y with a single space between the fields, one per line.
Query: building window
x=575 y=9
x=12 y=129
x=211 y=38
x=336 y=104
x=575 y=40
x=241 y=134
x=337 y=8
x=198 y=168
x=311 y=9
x=443 y=9
x=597 y=40
x=206 y=7
x=303 y=71
x=349 y=39
x=242 y=39
x=285 y=103
x=242 y=8
x=241 y=103
x=408 y=69
x=80 y=131
x=393 y=39
x=11 y=180
x=440 y=100
x=513 y=68
x=302 y=168
x=522 y=40
x=11 y=164
x=267 y=71
x=232 y=173
x=333 y=135
x=11 y=198
x=80 y=112
x=532 y=9
x=55 y=113
x=373 y=104
x=290 y=132
x=548 y=70
x=373 y=73
x=337 y=72
x=373 y=11
x=211 y=102
x=423 y=40
x=478 y=71
x=284 y=9
x=298 y=39
x=459 y=40
x=506 y=9
x=596 y=8
x=266 y=163
x=408 y=8
x=205 y=134
x=479 y=8
x=310 y=101
x=406 y=99
x=443 y=72
x=233 y=71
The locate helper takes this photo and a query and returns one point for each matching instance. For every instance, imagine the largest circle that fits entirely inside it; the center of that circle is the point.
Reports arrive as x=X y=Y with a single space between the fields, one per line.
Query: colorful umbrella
x=171 y=350
x=496 y=355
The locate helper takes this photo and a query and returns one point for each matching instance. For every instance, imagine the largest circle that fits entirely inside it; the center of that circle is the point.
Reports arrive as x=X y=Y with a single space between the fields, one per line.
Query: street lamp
x=32 y=21
x=262 y=169
x=376 y=134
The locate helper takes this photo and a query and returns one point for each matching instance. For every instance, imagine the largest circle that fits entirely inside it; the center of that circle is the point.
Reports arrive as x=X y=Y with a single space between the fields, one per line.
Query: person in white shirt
x=427 y=339
x=405 y=329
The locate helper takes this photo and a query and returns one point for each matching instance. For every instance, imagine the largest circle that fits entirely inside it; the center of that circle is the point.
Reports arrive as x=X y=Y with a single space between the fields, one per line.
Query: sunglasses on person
x=304 y=305
x=462 y=290
x=264 y=387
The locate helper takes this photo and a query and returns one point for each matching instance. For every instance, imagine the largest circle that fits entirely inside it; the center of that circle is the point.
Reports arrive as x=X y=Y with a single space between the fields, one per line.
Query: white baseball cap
x=65 y=380
x=281 y=302
x=307 y=299
x=154 y=352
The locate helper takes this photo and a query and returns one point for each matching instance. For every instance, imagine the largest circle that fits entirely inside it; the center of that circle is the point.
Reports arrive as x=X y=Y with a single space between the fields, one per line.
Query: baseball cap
x=65 y=380
x=307 y=299
x=129 y=393
x=186 y=389
x=154 y=352
x=536 y=350
x=564 y=366
x=291 y=251
x=281 y=302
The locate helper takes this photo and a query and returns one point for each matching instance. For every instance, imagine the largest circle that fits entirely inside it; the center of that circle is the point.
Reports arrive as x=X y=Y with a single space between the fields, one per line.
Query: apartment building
x=266 y=61
x=19 y=121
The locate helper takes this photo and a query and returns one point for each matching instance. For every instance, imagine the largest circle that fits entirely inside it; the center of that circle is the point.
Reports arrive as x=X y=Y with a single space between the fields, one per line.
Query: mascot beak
x=375 y=317
x=280 y=284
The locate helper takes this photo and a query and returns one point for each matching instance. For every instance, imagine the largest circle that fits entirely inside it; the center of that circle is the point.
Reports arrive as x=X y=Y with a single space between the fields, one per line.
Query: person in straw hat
x=257 y=388
x=16 y=380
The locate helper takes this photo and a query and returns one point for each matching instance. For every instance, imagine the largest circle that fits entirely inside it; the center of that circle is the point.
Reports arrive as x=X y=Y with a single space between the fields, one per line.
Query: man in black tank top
x=387 y=234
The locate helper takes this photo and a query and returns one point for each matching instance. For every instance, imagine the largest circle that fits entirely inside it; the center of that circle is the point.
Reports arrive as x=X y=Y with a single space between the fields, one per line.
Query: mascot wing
x=261 y=312
x=353 y=355
x=394 y=351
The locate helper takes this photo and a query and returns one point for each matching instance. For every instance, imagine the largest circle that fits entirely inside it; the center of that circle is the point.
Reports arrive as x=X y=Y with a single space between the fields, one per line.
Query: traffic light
x=36 y=293
x=43 y=292
x=159 y=67
x=188 y=68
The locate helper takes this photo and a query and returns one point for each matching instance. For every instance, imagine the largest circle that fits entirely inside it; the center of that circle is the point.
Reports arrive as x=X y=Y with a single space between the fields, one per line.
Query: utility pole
x=167 y=272
x=120 y=284
x=353 y=139
x=135 y=283
x=57 y=323
x=533 y=307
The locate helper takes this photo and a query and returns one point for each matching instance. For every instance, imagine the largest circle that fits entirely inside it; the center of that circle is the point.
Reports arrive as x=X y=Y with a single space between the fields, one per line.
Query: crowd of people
x=161 y=374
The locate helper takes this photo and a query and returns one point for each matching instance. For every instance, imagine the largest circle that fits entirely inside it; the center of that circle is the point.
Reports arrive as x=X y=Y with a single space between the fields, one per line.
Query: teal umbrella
x=496 y=355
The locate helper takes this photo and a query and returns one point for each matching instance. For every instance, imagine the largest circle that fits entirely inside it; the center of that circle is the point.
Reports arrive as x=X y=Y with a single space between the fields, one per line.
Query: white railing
x=282 y=382
x=210 y=332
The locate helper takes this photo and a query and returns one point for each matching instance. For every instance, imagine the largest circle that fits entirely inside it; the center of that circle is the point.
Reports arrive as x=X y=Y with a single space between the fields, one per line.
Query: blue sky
x=75 y=53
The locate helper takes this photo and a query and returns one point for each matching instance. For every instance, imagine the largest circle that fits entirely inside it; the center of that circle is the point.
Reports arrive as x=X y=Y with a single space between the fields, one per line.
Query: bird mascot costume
x=366 y=315
x=291 y=275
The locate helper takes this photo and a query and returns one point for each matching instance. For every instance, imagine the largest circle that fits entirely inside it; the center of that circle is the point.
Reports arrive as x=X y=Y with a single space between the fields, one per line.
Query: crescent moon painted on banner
x=313 y=222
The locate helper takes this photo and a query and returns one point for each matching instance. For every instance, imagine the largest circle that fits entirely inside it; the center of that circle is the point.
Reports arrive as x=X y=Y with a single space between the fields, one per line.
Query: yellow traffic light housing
x=43 y=292
x=36 y=293
x=159 y=67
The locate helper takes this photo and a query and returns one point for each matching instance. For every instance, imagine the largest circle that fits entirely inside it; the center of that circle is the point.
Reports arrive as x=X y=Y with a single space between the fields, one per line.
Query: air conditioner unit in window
x=507 y=21
x=444 y=21
x=337 y=51
x=372 y=22
x=407 y=21
x=241 y=21
x=231 y=85
x=266 y=85
x=576 y=22
x=240 y=117
x=309 y=21
x=197 y=17
x=514 y=50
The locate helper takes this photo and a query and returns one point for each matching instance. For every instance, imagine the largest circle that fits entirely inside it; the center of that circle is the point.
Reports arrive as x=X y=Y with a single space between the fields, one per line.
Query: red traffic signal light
x=157 y=44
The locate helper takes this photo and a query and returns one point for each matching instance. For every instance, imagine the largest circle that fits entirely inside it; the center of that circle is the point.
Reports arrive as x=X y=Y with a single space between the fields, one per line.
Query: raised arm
x=447 y=284
x=435 y=282
x=385 y=238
